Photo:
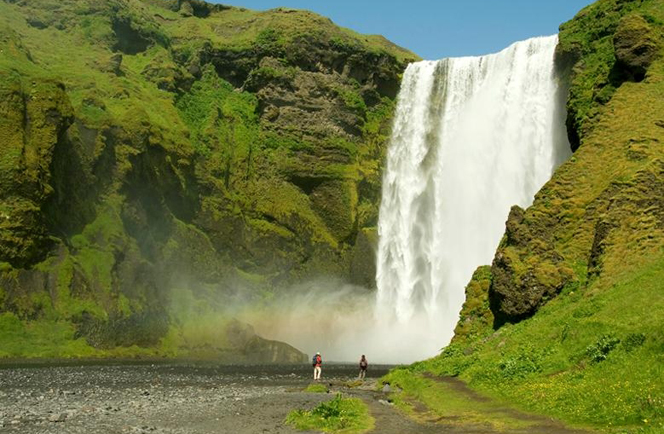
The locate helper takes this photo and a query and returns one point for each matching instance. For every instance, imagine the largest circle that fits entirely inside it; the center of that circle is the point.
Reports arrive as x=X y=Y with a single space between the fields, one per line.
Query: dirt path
x=541 y=424
x=391 y=420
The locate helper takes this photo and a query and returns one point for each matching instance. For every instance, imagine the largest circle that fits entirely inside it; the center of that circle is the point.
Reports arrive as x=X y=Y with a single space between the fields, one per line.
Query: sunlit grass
x=340 y=415
x=549 y=364
x=446 y=404
x=316 y=388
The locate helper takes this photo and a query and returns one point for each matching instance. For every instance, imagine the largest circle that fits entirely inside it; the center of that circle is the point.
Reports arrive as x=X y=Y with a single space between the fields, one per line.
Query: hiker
x=363 y=367
x=317 y=361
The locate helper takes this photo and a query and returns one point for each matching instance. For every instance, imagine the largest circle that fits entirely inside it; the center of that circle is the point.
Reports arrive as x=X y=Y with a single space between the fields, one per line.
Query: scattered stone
x=116 y=400
x=58 y=417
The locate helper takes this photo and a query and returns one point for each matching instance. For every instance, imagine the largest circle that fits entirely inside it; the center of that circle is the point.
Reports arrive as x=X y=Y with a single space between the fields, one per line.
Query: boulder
x=58 y=417
x=186 y=10
x=637 y=44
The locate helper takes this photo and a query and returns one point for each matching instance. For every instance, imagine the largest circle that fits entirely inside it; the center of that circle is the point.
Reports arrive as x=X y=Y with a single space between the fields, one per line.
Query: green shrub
x=599 y=351
x=524 y=362
x=270 y=41
x=316 y=388
x=633 y=341
x=329 y=410
x=339 y=414
x=353 y=101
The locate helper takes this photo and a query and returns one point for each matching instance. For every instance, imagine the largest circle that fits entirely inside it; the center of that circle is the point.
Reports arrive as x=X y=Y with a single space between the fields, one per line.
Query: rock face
x=600 y=215
x=34 y=120
x=527 y=270
x=637 y=44
x=476 y=317
x=218 y=153
x=363 y=264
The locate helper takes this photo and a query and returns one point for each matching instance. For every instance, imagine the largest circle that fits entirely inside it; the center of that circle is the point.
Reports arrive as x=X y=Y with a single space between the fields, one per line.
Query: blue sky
x=440 y=28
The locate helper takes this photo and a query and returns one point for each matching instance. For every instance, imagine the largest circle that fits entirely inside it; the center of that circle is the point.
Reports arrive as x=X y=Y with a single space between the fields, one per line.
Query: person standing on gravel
x=317 y=362
x=364 y=364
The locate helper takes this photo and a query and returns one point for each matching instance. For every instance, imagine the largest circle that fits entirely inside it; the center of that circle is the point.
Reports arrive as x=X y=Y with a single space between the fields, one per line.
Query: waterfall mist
x=471 y=137
x=338 y=320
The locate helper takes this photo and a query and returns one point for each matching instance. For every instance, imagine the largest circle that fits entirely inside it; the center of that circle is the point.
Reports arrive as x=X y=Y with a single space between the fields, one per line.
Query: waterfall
x=472 y=136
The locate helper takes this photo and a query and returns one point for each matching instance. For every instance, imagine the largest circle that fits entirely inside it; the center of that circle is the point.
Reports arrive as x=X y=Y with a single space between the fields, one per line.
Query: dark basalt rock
x=128 y=39
x=602 y=230
x=637 y=44
x=527 y=270
x=35 y=122
x=115 y=63
x=363 y=260
x=37 y=23
x=198 y=8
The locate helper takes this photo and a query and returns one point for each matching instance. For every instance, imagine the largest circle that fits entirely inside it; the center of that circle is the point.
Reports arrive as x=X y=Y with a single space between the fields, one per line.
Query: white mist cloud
x=339 y=320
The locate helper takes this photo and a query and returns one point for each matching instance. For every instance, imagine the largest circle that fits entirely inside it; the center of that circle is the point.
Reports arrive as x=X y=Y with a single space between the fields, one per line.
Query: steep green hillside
x=163 y=160
x=569 y=319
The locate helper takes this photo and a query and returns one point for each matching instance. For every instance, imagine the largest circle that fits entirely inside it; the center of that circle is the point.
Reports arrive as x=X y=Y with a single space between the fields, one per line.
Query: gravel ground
x=177 y=398
x=157 y=398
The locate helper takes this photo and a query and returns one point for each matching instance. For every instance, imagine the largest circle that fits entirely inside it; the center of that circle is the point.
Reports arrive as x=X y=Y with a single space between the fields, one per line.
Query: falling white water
x=472 y=136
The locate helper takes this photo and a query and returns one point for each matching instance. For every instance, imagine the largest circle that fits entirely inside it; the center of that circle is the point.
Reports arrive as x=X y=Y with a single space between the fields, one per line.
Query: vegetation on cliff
x=153 y=151
x=568 y=319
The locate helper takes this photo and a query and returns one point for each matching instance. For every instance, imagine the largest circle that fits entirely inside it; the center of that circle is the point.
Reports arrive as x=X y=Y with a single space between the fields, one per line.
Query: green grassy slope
x=569 y=319
x=156 y=151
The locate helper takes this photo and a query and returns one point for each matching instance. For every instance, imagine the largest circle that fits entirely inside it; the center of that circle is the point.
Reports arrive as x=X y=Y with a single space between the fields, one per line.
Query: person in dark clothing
x=363 y=367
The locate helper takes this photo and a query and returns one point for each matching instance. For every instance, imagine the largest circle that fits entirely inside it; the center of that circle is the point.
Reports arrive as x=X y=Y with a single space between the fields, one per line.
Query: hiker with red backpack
x=317 y=362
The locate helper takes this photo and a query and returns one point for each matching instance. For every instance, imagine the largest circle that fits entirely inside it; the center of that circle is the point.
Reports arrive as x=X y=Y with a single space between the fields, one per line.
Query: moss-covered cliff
x=569 y=318
x=598 y=210
x=155 y=148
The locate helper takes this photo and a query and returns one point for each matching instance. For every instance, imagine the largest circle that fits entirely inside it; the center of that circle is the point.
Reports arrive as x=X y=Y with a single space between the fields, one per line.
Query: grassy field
x=594 y=359
x=426 y=397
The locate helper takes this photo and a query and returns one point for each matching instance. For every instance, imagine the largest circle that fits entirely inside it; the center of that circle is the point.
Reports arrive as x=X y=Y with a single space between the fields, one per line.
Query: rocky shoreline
x=156 y=398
